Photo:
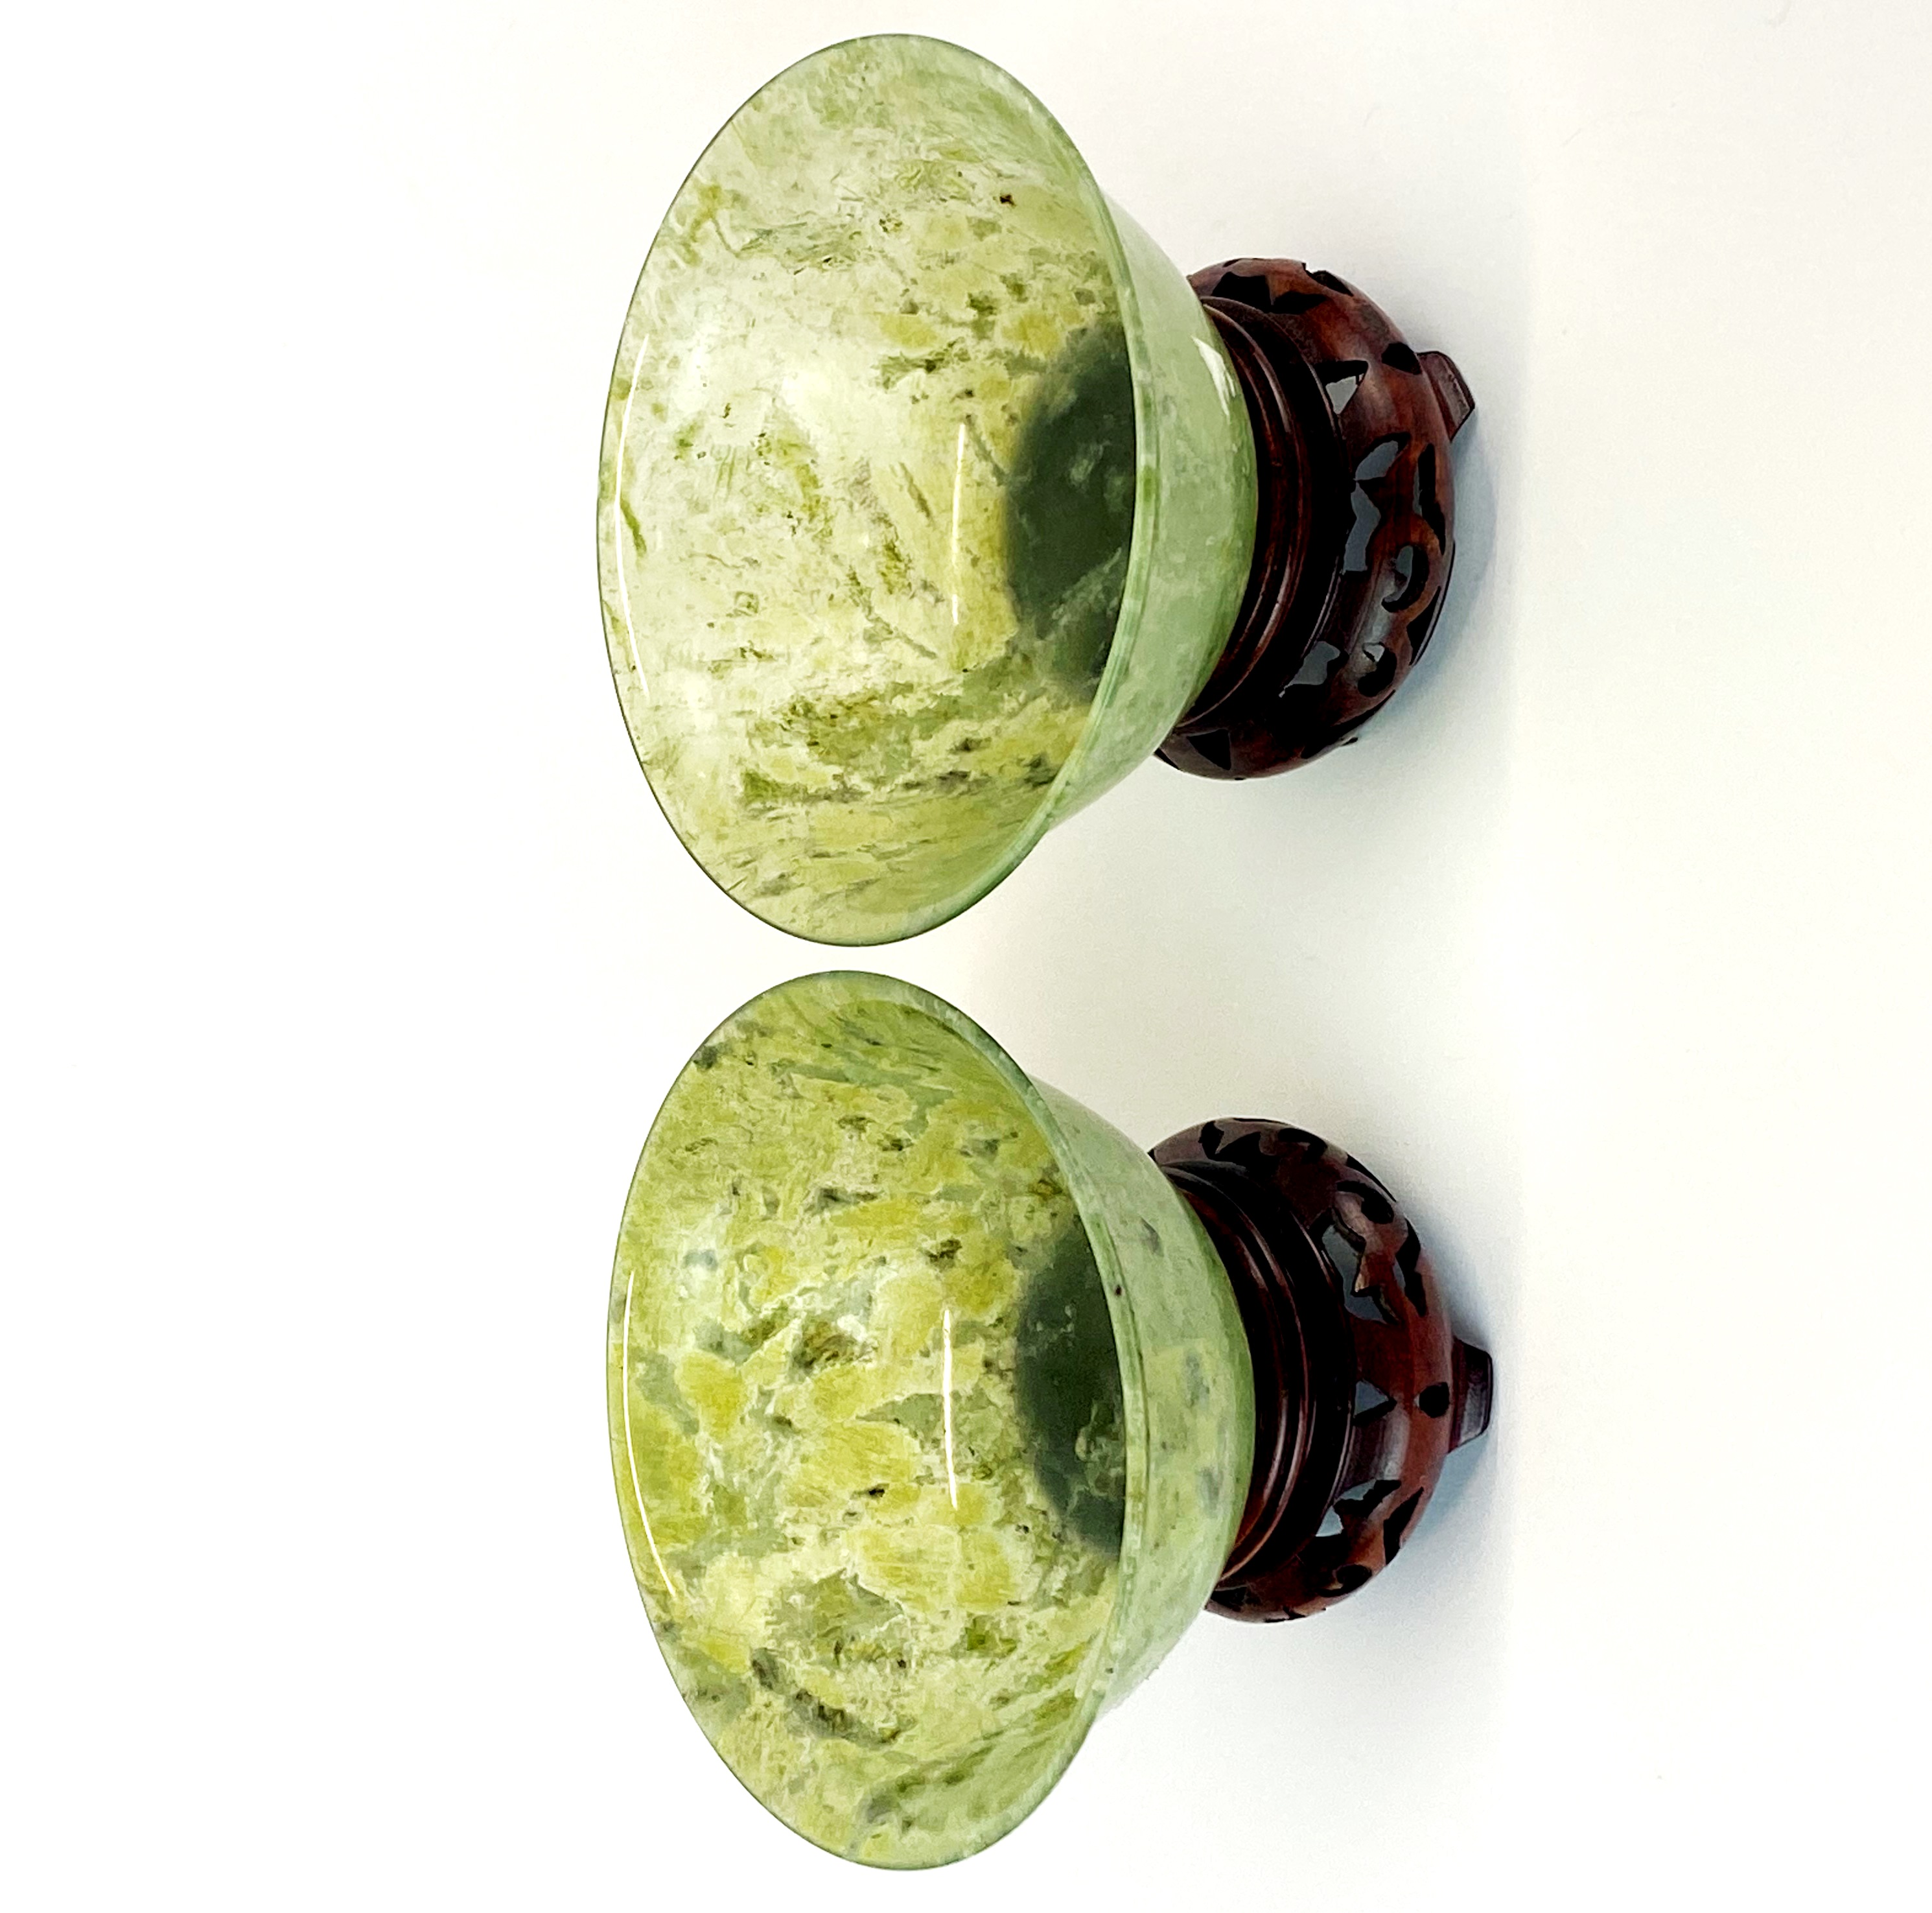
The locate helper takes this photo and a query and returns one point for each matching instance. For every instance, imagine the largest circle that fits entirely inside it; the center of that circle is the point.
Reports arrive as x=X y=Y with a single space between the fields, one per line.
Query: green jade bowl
x=927 y=497
x=932 y=1415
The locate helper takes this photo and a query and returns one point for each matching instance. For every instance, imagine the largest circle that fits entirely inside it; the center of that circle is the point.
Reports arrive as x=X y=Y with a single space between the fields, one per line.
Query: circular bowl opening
x=867 y=500
x=868 y=1419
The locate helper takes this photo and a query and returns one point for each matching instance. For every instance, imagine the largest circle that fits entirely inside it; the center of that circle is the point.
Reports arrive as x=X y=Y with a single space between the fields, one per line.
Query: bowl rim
x=1056 y=800
x=1102 y=1659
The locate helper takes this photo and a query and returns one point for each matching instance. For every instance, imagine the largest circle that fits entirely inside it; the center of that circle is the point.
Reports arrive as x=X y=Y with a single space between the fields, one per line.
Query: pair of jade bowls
x=933 y=499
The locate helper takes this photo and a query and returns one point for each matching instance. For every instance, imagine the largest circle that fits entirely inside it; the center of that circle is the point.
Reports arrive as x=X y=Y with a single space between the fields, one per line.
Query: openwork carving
x=1355 y=539
x=1361 y=1388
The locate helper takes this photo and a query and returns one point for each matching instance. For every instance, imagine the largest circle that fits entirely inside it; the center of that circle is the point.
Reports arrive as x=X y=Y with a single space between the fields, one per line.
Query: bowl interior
x=868 y=489
x=867 y=1420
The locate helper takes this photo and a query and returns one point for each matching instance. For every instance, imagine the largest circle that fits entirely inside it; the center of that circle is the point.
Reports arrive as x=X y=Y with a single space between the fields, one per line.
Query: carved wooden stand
x=1361 y=1388
x=1355 y=535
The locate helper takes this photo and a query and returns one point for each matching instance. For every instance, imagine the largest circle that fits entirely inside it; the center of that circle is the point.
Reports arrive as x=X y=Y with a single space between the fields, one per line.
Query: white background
x=346 y=957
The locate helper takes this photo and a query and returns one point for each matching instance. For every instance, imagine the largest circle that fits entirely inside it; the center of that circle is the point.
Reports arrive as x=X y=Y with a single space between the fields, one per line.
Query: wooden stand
x=1361 y=1389
x=1354 y=536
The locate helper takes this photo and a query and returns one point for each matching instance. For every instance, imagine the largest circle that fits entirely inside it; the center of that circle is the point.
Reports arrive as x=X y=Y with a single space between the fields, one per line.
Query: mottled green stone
x=927 y=492
x=931 y=1415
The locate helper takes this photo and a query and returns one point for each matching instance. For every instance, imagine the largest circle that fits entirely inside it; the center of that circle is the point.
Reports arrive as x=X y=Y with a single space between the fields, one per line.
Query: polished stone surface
x=910 y=435
x=931 y=1416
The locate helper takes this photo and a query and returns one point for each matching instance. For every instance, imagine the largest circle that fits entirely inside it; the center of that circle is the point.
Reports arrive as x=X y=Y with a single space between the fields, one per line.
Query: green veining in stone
x=931 y=1416
x=919 y=462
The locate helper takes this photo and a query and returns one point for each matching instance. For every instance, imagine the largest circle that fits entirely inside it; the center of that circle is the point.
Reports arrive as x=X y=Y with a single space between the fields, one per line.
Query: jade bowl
x=931 y=1415
x=927 y=496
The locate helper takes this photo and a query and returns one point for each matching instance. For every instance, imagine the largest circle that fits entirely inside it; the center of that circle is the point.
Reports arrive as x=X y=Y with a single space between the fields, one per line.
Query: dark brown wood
x=1361 y=1388
x=1355 y=526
